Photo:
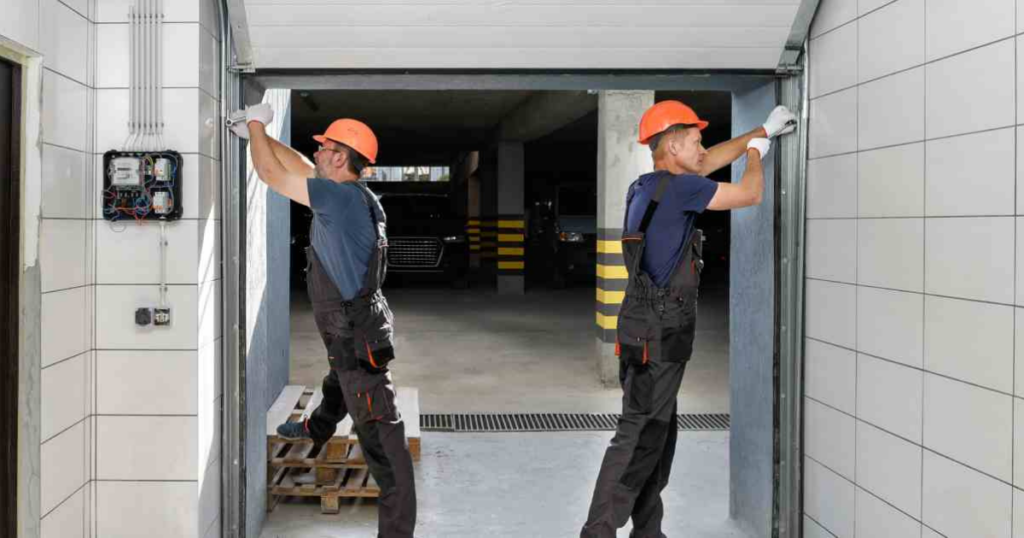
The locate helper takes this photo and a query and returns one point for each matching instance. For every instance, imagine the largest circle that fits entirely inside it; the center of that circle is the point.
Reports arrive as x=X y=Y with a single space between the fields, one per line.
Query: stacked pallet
x=337 y=469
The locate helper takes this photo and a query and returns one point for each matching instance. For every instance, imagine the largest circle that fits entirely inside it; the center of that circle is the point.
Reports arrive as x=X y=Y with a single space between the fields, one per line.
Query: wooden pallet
x=336 y=470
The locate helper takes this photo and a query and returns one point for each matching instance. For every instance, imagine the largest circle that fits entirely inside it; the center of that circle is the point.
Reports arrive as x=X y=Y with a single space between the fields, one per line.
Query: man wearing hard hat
x=657 y=319
x=346 y=264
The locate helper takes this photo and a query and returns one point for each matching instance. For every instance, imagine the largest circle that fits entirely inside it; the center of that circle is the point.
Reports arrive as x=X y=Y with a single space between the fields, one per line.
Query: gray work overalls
x=358 y=334
x=655 y=334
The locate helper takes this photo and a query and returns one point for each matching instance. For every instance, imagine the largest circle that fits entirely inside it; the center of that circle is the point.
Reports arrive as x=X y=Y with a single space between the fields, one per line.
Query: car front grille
x=414 y=252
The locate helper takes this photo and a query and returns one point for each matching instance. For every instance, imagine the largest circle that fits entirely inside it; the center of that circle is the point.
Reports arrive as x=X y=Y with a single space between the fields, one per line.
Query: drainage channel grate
x=554 y=422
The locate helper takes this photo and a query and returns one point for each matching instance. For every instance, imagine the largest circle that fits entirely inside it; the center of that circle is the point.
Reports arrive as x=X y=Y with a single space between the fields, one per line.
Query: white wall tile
x=970 y=341
x=829 y=499
x=115 y=322
x=890 y=324
x=210 y=426
x=830 y=375
x=129 y=253
x=64 y=322
x=1018 y=324
x=877 y=519
x=63 y=395
x=67 y=521
x=21 y=22
x=928 y=533
x=1018 y=513
x=209 y=17
x=181 y=126
x=832 y=187
x=833 y=60
x=955 y=26
x=64 y=112
x=209 y=498
x=970 y=258
x=62 y=467
x=1018 y=442
x=61 y=254
x=150 y=509
x=209 y=127
x=890 y=396
x=1020 y=164
x=891 y=110
x=866 y=6
x=181 y=65
x=214 y=531
x=64 y=39
x=168 y=453
x=890 y=253
x=891 y=182
x=209 y=250
x=65 y=182
x=833 y=124
x=210 y=312
x=1020 y=15
x=981 y=81
x=832 y=13
x=959 y=415
x=981 y=185
x=147 y=383
x=891 y=39
x=209 y=62
x=174 y=11
x=959 y=501
x=209 y=187
x=831 y=313
x=890 y=468
x=813 y=530
x=829 y=437
x=832 y=250
x=1020 y=261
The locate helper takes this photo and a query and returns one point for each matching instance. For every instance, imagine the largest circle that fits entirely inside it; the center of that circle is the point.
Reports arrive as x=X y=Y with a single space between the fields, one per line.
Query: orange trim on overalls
x=369 y=353
x=646 y=358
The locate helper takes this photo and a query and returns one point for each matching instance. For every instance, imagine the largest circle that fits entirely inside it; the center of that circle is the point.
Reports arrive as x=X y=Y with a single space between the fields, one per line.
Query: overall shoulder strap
x=652 y=206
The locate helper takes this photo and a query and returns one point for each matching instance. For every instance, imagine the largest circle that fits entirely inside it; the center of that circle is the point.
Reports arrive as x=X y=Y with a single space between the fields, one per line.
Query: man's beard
x=319 y=171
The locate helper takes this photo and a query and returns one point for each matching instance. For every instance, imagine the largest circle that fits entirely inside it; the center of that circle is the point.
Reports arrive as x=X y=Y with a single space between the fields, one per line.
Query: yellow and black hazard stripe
x=511 y=245
x=473 y=233
x=488 y=239
x=611 y=282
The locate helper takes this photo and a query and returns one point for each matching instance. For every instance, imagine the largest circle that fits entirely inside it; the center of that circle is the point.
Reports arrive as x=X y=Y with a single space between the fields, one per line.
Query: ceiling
x=526 y=34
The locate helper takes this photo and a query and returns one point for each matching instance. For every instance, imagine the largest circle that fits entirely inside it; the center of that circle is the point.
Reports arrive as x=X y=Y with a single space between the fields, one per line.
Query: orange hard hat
x=665 y=114
x=354 y=134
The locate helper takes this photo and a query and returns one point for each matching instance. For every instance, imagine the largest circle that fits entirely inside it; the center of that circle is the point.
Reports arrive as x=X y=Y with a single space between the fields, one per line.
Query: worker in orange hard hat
x=657 y=320
x=346 y=265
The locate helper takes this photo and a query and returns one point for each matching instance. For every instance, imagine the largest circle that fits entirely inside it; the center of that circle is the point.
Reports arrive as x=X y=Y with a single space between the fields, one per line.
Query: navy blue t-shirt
x=685 y=197
x=342 y=232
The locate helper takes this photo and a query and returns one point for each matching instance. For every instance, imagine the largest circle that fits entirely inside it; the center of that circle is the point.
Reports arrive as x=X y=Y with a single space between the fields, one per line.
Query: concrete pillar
x=511 y=218
x=488 y=175
x=620 y=160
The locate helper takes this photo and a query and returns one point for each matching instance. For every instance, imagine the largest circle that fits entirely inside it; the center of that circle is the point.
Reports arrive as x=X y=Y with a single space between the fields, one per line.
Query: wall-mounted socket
x=143 y=317
x=162 y=316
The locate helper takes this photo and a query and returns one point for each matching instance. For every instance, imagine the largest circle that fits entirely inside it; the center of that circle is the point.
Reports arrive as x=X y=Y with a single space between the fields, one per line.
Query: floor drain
x=554 y=422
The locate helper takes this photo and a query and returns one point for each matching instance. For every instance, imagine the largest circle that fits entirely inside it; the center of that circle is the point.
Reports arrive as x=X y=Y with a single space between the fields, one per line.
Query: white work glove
x=762 y=145
x=780 y=122
x=261 y=113
x=240 y=128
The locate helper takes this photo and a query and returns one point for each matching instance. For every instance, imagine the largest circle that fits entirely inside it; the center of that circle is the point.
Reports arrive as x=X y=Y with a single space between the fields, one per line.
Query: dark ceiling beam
x=546 y=112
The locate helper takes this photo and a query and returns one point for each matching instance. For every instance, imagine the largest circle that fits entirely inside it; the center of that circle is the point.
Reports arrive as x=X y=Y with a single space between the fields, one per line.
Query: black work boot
x=294 y=431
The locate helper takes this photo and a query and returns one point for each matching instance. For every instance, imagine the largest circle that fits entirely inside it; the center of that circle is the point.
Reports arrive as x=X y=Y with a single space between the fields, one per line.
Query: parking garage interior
x=471 y=345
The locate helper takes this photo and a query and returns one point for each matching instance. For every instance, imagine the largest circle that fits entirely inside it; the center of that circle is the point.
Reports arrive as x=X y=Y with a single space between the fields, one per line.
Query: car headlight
x=570 y=237
x=455 y=239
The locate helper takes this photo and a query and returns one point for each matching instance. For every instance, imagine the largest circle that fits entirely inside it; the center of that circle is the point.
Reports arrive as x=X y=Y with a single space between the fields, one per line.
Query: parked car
x=563 y=234
x=425 y=237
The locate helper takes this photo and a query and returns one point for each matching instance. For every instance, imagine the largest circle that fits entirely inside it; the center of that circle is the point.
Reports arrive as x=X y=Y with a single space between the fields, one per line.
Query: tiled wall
x=914 y=361
x=130 y=432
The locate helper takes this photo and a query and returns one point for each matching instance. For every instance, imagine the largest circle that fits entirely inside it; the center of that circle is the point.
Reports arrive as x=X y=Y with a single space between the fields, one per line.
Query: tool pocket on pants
x=638 y=388
x=678 y=333
x=373 y=337
x=374 y=403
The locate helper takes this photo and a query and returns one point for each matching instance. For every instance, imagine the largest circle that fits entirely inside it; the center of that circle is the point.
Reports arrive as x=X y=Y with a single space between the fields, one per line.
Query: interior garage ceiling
x=421 y=127
x=527 y=34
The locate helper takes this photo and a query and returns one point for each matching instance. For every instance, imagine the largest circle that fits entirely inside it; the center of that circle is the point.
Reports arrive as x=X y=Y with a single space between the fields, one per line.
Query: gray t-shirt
x=342 y=232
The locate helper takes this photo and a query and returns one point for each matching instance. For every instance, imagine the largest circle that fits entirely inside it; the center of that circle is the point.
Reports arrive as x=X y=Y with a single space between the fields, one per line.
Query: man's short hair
x=656 y=139
x=356 y=162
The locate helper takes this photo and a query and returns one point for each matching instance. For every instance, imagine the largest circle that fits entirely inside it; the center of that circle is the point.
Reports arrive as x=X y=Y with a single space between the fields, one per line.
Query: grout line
x=1013 y=402
x=926 y=294
x=911 y=143
x=822 y=527
x=145 y=480
x=911 y=217
x=924 y=256
x=62 y=361
x=68 y=77
x=919 y=369
x=66 y=499
x=62 y=432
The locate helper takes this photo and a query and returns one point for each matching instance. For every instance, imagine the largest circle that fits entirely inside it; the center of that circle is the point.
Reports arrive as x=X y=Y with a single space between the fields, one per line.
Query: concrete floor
x=471 y=351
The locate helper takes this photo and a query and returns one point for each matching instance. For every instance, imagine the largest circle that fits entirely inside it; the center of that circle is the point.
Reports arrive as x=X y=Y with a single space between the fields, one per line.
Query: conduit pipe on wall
x=145 y=117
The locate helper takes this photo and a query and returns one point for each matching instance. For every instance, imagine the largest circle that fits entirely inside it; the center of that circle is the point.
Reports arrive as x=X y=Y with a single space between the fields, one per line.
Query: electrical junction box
x=140 y=185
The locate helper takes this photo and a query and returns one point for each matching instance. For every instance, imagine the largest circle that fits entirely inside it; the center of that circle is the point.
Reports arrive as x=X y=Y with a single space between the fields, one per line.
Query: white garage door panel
x=532 y=38
x=519 y=34
x=590 y=58
x=683 y=18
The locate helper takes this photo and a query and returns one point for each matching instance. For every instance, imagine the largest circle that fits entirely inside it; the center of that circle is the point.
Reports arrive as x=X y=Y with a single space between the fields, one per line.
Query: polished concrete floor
x=472 y=351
